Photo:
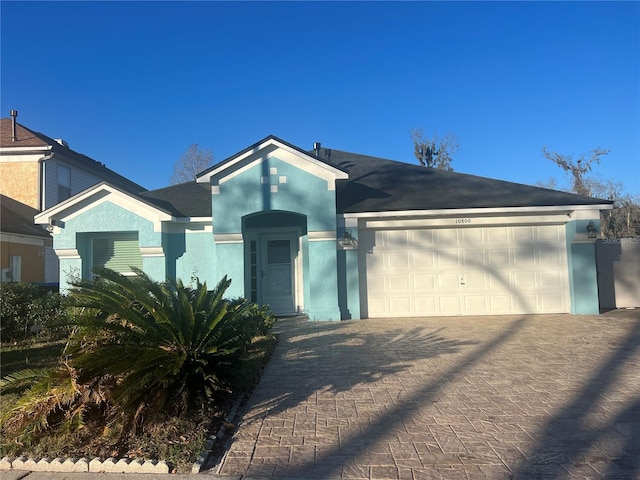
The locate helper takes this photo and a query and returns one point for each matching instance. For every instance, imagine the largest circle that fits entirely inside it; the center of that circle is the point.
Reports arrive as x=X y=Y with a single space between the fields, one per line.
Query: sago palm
x=167 y=345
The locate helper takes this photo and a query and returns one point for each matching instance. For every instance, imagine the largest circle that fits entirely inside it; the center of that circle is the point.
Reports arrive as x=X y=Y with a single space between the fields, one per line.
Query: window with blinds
x=118 y=252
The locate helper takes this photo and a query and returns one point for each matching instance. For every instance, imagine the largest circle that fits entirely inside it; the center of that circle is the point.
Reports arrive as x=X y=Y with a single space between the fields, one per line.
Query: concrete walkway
x=538 y=396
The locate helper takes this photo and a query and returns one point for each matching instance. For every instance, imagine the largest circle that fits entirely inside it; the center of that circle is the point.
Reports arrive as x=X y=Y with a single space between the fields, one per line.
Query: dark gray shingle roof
x=189 y=199
x=379 y=185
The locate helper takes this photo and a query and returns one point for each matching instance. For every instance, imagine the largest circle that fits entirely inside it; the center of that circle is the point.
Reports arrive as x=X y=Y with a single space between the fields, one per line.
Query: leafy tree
x=577 y=169
x=434 y=152
x=193 y=161
x=624 y=219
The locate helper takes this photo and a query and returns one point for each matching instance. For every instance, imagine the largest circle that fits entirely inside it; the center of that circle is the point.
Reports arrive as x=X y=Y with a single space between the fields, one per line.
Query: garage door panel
x=524 y=280
x=551 y=302
x=396 y=239
x=375 y=263
x=476 y=304
x=550 y=257
x=376 y=283
x=501 y=303
x=401 y=305
x=426 y=305
x=497 y=236
x=523 y=235
x=498 y=258
x=448 y=281
x=551 y=279
x=377 y=307
x=423 y=283
x=422 y=238
x=479 y=270
x=449 y=305
x=399 y=283
x=447 y=258
x=470 y=236
x=475 y=281
x=398 y=260
x=500 y=281
x=524 y=256
x=423 y=258
x=446 y=238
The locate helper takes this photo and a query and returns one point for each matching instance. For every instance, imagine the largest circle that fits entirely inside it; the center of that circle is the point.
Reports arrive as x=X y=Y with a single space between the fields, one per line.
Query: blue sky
x=133 y=84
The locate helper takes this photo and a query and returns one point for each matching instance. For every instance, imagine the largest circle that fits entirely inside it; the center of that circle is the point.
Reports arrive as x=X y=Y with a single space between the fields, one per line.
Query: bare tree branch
x=193 y=161
x=434 y=152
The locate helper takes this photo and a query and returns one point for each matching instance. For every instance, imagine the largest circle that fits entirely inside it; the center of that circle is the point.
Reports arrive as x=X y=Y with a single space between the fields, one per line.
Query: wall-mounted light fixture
x=347 y=240
x=592 y=230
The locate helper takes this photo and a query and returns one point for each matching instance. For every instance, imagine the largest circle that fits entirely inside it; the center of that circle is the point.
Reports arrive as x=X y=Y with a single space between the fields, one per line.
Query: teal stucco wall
x=273 y=185
x=583 y=276
x=104 y=217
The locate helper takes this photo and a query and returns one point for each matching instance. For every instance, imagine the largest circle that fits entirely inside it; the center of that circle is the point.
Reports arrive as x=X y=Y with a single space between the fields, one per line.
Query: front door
x=278 y=274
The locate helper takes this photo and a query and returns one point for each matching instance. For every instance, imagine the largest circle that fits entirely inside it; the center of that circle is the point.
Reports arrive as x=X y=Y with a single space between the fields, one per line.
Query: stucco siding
x=301 y=192
x=105 y=217
x=583 y=276
x=19 y=180
x=192 y=255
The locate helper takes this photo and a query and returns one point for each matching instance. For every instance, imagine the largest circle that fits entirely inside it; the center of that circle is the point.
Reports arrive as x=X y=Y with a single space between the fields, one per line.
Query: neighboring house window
x=117 y=251
x=64 y=183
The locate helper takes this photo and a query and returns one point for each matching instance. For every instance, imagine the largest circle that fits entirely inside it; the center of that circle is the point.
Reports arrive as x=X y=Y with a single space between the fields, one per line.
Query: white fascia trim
x=267 y=149
x=23 y=150
x=102 y=193
x=478 y=211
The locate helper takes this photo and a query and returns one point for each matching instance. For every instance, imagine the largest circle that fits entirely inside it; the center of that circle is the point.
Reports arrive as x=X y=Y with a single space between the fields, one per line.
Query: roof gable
x=98 y=194
x=271 y=146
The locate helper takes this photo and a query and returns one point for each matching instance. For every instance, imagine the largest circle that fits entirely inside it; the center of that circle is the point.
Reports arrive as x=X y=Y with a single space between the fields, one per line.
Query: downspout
x=41 y=182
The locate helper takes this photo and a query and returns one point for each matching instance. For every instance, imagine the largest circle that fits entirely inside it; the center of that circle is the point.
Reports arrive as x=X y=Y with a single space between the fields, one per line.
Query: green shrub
x=141 y=350
x=28 y=311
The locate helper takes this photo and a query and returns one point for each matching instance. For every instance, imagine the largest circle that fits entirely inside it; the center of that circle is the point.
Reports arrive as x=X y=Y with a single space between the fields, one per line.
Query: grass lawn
x=178 y=441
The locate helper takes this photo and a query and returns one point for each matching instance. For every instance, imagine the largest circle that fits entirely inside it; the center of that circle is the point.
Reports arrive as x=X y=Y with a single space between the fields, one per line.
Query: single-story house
x=337 y=235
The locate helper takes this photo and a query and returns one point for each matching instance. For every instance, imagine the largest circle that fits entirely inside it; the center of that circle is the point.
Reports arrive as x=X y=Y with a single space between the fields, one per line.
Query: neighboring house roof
x=29 y=138
x=380 y=185
x=17 y=218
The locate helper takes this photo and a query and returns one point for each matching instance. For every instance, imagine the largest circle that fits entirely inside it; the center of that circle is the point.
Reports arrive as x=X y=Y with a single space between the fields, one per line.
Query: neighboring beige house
x=38 y=172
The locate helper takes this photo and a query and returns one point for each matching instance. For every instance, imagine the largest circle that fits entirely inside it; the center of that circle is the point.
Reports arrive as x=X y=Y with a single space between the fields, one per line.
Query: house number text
x=463 y=220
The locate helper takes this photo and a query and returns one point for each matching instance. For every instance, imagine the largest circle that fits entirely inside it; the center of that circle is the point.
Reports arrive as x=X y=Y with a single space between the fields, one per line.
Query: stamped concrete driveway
x=538 y=396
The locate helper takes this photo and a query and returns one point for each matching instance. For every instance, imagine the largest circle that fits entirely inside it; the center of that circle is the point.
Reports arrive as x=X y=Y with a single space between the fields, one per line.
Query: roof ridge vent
x=62 y=142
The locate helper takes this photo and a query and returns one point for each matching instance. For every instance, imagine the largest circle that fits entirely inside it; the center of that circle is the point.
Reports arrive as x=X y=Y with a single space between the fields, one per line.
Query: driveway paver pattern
x=532 y=396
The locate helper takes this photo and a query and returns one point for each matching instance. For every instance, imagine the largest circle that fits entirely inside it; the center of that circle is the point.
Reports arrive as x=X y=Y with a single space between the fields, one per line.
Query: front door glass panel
x=279 y=268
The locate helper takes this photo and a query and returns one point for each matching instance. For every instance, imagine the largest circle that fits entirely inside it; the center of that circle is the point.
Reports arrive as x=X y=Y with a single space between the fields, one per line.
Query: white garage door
x=466 y=271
